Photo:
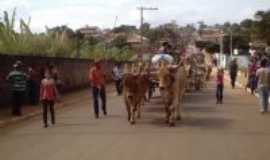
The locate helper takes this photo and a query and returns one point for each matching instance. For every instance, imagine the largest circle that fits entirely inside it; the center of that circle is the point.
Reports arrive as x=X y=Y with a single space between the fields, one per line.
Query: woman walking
x=263 y=75
x=48 y=97
x=252 y=79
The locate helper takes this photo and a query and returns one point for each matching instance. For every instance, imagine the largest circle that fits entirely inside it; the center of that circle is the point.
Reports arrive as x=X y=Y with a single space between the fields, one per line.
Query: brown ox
x=172 y=83
x=135 y=87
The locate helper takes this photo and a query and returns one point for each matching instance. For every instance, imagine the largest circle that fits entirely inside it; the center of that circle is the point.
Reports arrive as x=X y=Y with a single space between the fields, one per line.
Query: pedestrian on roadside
x=48 y=95
x=215 y=61
x=117 y=77
x=18 y=81
x=263 y=76
x=252 y=78
x=97 y=79
x=33 y=85
x=220 y=85
x=233 y=72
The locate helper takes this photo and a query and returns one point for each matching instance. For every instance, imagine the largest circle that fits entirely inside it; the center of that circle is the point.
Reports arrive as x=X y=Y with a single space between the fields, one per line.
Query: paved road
x=233 y=131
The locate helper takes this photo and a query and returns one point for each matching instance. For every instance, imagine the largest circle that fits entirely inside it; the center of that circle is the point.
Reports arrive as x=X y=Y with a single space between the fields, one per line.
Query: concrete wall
x=73 y=73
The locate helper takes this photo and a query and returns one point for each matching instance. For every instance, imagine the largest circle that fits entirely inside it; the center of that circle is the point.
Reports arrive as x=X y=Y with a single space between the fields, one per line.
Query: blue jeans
x=252 y=83
x=219 y=93
x=264 y=95
x=99 y=93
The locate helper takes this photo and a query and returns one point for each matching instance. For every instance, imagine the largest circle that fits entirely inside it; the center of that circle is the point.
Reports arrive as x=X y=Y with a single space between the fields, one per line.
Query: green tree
x=120 y=41
x=145 y=28
x=262 y=25
x=61 y=29
x=125 y=29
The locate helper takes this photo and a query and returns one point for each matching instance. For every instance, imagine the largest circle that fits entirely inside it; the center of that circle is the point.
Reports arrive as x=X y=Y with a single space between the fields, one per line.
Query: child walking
x=220 y=86
x=48 y=97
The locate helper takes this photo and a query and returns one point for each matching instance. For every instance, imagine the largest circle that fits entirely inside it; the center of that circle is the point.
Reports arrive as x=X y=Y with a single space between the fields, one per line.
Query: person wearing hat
x=97 y=80
x=18 y=81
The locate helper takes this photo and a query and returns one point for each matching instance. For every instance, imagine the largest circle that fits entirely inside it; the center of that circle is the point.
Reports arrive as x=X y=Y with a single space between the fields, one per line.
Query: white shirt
x=263 y=75
x=116 y=73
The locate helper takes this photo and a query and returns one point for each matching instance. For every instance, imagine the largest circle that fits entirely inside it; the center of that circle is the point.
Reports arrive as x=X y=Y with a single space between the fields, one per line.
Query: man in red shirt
x=252 y=78
x=97 y=79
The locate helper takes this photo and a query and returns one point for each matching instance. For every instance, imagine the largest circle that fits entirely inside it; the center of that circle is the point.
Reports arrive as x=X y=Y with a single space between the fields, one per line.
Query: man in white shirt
x=117 y=76
x=263 y=76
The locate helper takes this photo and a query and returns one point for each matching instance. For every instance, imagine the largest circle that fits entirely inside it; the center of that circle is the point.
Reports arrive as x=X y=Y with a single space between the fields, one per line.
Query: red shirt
x=220 y=79
x=253 y=69
x=97 y=76
x=33 y=75
x=48 y=90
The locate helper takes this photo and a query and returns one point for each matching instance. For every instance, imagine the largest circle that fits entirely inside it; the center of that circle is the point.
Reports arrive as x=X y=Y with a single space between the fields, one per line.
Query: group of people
x=258 y=79
x=233 y=71
x=45 y=90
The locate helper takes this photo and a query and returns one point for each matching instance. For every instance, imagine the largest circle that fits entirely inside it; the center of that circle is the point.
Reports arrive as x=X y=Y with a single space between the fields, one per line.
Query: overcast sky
x=102 y=13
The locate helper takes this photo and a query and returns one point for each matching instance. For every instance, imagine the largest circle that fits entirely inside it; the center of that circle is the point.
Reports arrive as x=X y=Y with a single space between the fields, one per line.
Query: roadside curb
x=39 y=111
x=241 y=85
x=26 y=116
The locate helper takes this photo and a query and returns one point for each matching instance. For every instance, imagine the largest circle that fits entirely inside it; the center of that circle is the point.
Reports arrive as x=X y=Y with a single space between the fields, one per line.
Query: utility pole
x=221 y=48
x=231 y=42
x=142 y=9
x=115 y=21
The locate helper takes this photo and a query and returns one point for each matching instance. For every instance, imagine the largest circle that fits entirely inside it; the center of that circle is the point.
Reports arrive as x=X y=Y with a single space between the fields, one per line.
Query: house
x=210 y=35
x=132 y=39
x=91 y=31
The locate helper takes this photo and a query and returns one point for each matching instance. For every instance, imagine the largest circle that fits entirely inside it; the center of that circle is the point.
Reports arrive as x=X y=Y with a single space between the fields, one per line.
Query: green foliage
x=55 y=42
x=247 y=31
x=178 y=36
x=100 y=51
x=262 y=25
x=120 y=41
x=125 y=29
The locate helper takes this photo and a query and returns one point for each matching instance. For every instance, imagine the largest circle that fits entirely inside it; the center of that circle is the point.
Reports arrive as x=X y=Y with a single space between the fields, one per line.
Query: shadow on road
x=201 y=108
x=74 y=124
x=196 y=122
x=206 y=122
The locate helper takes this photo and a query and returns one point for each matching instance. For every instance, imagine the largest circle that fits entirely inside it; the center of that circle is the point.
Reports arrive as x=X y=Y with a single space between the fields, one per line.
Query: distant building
x=136 y=39
x=210 y=35
x=133 y=39
x=91 y=31
x=258 y=44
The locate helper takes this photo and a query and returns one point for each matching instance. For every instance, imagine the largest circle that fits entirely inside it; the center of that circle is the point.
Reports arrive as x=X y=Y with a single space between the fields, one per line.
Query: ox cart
x=142 y=81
